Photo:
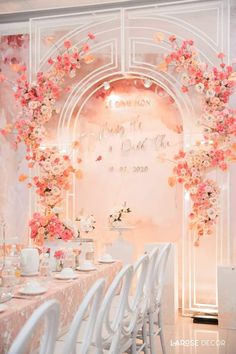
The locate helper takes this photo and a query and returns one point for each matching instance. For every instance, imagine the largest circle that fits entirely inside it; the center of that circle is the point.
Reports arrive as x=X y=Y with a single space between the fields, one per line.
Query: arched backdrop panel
x=124 y=46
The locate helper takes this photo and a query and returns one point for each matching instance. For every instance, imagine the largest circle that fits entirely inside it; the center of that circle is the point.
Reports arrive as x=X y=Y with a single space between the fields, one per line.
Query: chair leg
x=160 y=325
x=134 y=345
x=151 y=333
x=133 y=348
x=145 y=338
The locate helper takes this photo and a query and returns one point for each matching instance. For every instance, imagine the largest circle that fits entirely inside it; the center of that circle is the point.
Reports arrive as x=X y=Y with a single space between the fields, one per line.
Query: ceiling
x=16 y=11
x=13 y=6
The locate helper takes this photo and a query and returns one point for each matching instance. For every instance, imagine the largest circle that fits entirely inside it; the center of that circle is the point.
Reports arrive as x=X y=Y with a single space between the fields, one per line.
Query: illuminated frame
x=119 y=27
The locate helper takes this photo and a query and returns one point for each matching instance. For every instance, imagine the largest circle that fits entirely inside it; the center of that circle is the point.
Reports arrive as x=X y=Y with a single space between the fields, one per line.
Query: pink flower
x=184 y=89
x=221 y=55
x=85 y=47
x=23 y=68
x=2 y=78
x=67 y=44
x=60 y=254
x=172 y=38
x=91 y=35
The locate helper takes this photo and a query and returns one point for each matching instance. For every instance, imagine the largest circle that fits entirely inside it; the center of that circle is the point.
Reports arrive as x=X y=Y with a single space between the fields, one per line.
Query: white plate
x=86 y=269
x=29 y=274
x=106 y=261
x=37 y=291
x=3 y=307
x=65 y=277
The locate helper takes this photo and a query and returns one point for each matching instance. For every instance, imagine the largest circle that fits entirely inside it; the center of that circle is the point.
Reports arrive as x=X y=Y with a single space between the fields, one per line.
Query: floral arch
x=38 y=101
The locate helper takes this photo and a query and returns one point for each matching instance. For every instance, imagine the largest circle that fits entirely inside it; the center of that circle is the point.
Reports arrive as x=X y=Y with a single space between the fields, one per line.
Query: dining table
x=69 y=294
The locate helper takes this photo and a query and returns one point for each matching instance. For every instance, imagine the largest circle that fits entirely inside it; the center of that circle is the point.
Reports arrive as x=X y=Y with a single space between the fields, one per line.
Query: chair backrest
x=108 y=330
x=50 y=312
x=160 y=271
x=136 y=305
x=92 y=302
x=141 y=269
x=153 y=257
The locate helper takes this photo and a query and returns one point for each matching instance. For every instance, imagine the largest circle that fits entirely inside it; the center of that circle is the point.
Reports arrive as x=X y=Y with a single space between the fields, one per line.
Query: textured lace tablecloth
x=68 y=293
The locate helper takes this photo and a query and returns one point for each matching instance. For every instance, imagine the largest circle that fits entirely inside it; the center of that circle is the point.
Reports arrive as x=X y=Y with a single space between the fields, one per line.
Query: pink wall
x=135 y=132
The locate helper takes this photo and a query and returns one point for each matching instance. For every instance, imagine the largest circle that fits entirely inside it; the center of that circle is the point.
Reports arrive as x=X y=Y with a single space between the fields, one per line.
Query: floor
x=187 y=337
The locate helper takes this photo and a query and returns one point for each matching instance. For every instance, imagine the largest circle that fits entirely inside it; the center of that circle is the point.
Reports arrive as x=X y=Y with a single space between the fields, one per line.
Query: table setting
x=20 y=295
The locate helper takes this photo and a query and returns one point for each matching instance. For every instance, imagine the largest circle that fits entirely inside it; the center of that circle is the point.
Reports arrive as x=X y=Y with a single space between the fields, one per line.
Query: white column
x=227 y=297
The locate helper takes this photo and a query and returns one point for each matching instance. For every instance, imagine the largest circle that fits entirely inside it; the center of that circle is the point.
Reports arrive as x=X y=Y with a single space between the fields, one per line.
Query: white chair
x=48 y=311
x=137 y=305
x=108 y=332
x=154 y=312
x=92 y=302
x=148 y=285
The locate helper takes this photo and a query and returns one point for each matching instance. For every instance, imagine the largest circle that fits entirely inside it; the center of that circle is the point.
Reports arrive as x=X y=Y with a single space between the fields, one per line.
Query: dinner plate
x=29 y=274
x=3 y=307
x=106 y=260
x=37 y=291
x=86 y=269
x=63 y=277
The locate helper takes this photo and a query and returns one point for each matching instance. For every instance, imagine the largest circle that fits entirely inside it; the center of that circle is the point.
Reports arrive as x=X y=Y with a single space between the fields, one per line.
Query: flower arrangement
x=218 y=121
x=86 y=223
x=116 y=218
x=38 y=103
x=54 y=178
x=214 y=86
x=48 y=227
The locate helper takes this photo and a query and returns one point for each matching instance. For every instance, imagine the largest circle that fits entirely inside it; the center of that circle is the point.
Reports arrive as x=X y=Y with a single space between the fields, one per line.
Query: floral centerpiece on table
x=86 y=224
x=118 y=215
x=48 y=227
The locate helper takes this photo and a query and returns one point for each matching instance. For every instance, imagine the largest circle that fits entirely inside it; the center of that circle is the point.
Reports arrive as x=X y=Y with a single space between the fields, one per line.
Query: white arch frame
x=165 y=13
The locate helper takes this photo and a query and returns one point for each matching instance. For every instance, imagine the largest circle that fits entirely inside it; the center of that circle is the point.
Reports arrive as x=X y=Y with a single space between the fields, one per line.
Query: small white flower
x=193 y=190
x=55 y=190
x=199 y=87
x=33 y=104
x=46 y=110
x=211 y=213
x=69 y=224
x=210 y=93
x=57 y=210
x=206 y=75
x=209 y=117
x=206 y=163
x=185 y=79
x=72 y=73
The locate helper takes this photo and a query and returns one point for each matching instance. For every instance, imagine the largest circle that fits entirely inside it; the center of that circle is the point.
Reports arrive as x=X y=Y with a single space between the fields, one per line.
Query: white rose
x=199 y=87
x=211 y=213
x=46 y=110
x=33 y=104
x=210 y=93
